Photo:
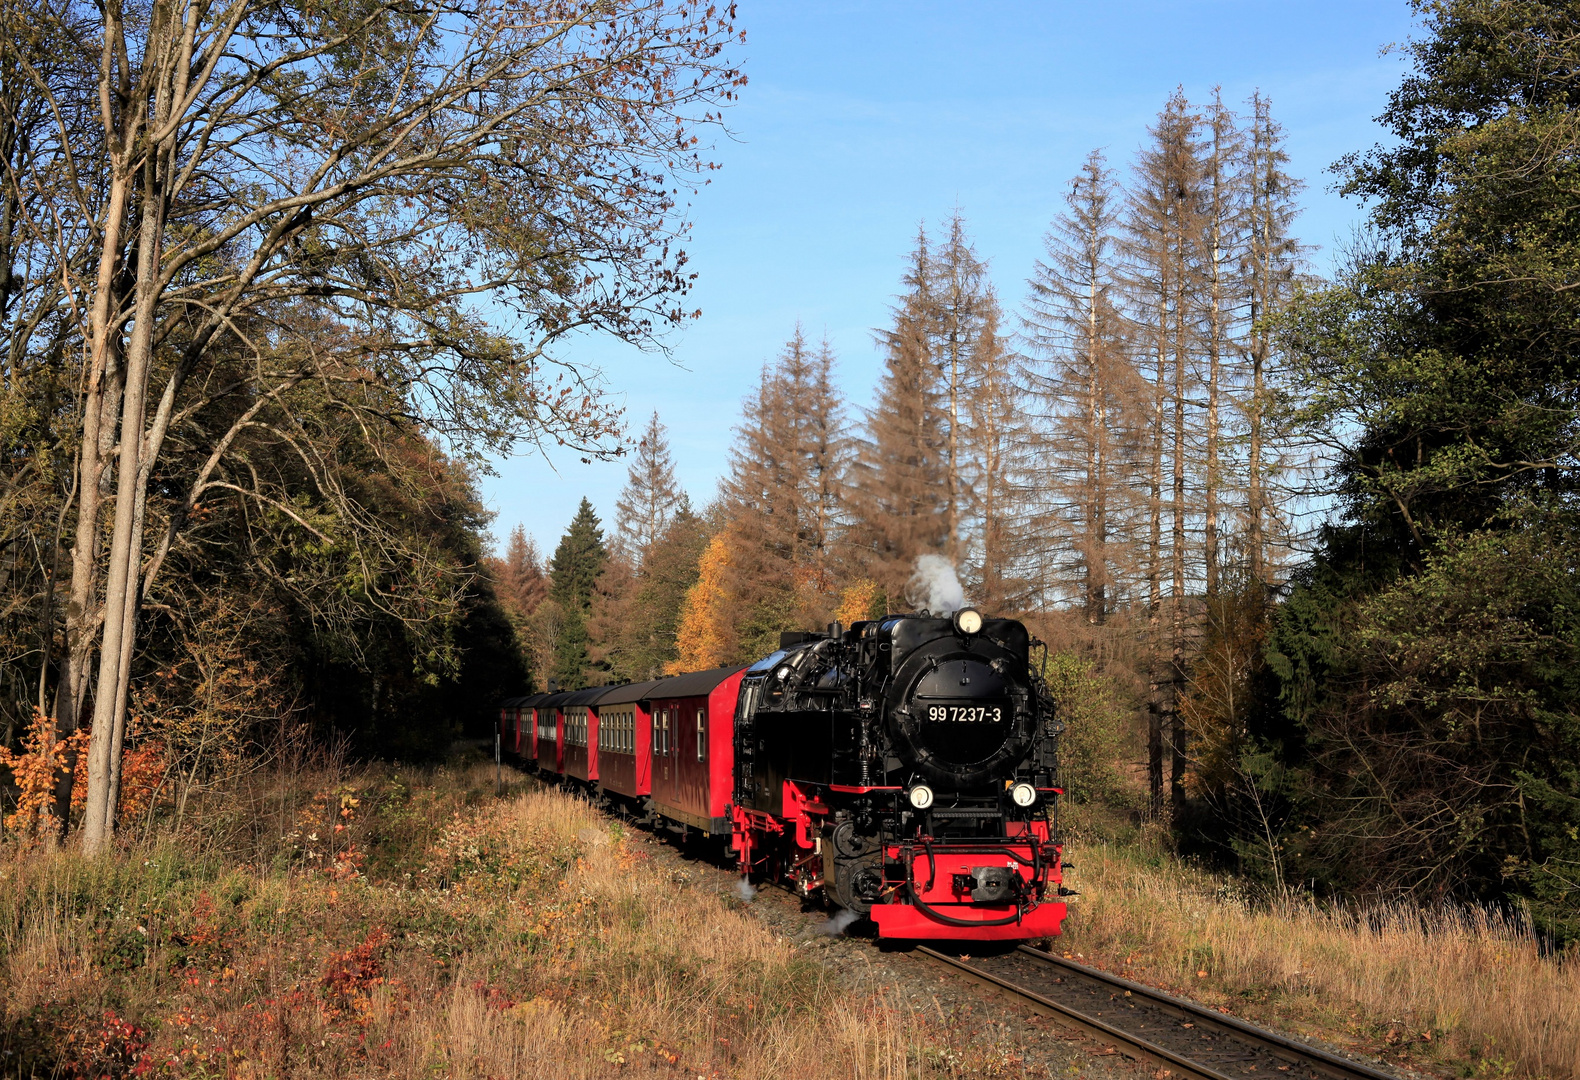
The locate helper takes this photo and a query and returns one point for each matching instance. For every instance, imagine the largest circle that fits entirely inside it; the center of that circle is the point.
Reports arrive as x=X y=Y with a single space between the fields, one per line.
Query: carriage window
x=702 y=734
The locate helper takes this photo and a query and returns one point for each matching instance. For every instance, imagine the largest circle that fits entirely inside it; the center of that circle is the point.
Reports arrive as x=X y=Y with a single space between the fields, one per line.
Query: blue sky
x=861 y=120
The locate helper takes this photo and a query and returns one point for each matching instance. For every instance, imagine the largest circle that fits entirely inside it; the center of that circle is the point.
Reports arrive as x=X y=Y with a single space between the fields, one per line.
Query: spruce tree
x=573 y=576
x=650 y=496
x=1087 y=400
x=783 y=495
x=993 y=460
x=636 y=612
x=668 y=574
x=522 y=584
x=1269 y=262
x=1165 y=228
x=899 y=482
x=959 y=305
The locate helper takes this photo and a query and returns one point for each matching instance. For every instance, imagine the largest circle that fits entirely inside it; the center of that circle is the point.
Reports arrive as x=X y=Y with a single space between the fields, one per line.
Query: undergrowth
x=378 y=923
x=1463 y=991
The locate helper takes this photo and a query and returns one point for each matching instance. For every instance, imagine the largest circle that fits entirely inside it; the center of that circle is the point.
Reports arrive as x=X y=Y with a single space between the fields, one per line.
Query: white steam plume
x=935 y=586
x=837 y=924
x=744 y=891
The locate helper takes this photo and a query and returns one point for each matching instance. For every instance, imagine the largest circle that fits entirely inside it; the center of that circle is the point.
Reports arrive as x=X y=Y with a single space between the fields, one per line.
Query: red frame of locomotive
x=674 y=762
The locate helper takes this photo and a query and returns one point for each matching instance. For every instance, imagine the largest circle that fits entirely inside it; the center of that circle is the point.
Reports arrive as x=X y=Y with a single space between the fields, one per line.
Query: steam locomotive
x=905 y=769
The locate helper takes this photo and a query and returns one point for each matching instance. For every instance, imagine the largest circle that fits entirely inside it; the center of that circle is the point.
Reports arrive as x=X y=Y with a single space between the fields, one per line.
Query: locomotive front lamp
x=921 y=796
x=1023 y=794
x=968 y=621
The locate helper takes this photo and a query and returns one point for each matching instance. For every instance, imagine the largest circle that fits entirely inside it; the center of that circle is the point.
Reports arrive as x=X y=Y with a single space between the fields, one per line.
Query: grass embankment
x=1466 y=991
x=402 y=925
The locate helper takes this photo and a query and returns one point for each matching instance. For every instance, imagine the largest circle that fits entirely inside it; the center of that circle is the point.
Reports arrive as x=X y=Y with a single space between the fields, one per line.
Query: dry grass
x=437 y=932
x=1462 y=990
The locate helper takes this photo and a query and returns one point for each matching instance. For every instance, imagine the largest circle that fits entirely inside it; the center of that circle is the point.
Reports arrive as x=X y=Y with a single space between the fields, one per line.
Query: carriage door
x=664 y=754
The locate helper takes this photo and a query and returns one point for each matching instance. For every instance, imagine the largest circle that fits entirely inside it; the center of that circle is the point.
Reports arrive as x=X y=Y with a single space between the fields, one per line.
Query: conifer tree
x=958 y=306
x=1270 y=260
x=573 y=576
x=650 y=496
x=783 y=495
x=1164 y=243
x=522 y=584
x=635 y=625
x=899 y=483
x=991 y=456
x=1086 y=396
x=1223 y=214
x=609 y=618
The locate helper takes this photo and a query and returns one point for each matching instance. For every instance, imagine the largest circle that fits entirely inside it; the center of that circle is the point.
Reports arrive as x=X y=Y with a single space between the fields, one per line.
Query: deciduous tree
x=254 y=157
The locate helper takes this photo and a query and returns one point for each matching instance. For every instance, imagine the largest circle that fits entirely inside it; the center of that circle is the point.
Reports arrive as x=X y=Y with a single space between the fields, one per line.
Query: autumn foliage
x=706 y=635
x=34 y=770
x=860 y=600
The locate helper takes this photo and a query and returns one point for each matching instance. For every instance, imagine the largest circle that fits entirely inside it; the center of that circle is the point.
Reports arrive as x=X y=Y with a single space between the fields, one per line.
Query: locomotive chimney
x=835 y=631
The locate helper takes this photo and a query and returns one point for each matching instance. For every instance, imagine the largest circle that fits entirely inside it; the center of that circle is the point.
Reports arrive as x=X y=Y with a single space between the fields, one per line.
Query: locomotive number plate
x=965 y=714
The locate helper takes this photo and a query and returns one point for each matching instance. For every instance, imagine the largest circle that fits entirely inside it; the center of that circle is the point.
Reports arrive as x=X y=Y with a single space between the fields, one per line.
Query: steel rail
x=1320 y=1061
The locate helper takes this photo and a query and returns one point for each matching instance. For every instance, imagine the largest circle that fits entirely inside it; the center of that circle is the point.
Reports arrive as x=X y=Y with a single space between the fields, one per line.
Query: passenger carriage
x=625 y=739
x=579 y=737
x=551 y=733
x=692 y=720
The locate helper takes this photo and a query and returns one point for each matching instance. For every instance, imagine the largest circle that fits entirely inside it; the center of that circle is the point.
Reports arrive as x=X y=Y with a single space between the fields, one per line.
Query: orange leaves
x=34 y=770
x=349 y=977
x=861 y=600
x=347 y=864
x=706 y=637
x=142 y=773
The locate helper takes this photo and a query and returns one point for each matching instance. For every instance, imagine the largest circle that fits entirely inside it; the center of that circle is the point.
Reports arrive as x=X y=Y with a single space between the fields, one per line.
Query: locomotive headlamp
x=921 y=796
x=968 y=621
x=1023 y=794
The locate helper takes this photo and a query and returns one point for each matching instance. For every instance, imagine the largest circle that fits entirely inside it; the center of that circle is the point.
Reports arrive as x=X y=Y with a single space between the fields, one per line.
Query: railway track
x=1177 y=1035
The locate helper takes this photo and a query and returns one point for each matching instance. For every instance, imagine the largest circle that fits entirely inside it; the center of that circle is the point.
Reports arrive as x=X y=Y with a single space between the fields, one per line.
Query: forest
x=1303 y=548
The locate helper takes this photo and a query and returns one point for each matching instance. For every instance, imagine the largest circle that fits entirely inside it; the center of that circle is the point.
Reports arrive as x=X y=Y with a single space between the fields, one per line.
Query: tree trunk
x=1177 y=540
x=125 y=559
x=101 y=404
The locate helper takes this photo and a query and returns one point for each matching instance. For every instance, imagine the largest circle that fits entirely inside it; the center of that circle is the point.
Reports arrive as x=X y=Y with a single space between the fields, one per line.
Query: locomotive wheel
x=848 y=843
x=858 y=883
